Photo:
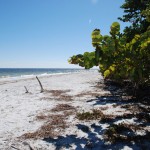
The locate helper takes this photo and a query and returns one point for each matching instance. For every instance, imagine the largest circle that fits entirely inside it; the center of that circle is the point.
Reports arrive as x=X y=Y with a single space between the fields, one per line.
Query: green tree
x=134 y=13
x=123 y=56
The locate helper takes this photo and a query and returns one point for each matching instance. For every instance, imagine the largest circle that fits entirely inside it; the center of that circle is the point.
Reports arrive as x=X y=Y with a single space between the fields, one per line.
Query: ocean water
x=29 y=72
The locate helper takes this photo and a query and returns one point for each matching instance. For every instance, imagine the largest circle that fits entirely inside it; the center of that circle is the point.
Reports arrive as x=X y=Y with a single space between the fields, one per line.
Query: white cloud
x=94 y=1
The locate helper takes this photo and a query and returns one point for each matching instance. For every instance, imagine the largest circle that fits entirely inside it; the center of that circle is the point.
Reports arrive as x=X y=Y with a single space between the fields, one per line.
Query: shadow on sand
x=95 y=132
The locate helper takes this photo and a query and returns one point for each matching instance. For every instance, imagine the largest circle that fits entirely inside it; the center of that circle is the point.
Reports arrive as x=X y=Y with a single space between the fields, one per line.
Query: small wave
x=44 y=74
x=4 y=76
x=27 y=76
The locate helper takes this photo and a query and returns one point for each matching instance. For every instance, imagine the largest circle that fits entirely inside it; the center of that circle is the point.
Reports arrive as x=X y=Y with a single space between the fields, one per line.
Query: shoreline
x=27 y=72
x=13 y=79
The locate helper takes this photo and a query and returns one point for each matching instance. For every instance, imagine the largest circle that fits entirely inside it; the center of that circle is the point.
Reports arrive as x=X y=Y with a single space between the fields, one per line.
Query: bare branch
x=42 y=90
x=26 y=89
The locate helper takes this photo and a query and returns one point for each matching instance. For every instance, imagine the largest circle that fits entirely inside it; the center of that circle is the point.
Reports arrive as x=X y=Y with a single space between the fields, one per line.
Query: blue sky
x=45 y=33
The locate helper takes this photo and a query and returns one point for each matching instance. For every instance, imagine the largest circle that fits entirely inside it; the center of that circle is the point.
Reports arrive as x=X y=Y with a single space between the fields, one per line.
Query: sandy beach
x=24 y=117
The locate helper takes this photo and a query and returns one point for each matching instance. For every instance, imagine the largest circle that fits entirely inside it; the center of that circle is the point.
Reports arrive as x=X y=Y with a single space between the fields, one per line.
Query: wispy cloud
x=90 y=21
x=94 y=1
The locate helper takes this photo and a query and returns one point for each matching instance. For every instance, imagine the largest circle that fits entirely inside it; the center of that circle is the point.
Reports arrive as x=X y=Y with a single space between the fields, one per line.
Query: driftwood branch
x=42 y=90
x=15 y=147
x=26 y=89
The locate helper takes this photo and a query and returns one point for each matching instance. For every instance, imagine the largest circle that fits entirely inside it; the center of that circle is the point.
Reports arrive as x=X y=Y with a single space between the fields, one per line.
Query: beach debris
x=53 y=127
x=42 y=89
x=15 y=147
x=26 y=89
x=95 y=114
x=62 y=107
x=26 y=143
x=60 y=94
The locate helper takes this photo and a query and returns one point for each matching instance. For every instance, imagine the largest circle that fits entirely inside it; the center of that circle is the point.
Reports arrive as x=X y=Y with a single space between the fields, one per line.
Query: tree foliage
x=122 y=56
x=135 y=12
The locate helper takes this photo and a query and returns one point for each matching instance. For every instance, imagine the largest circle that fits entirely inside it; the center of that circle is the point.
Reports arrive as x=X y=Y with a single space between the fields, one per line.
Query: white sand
x=18 y=110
